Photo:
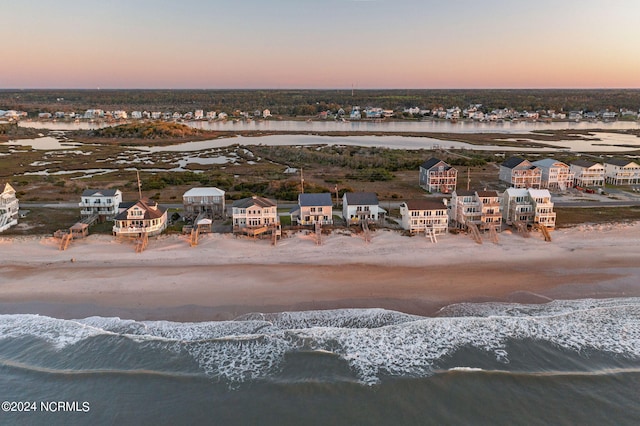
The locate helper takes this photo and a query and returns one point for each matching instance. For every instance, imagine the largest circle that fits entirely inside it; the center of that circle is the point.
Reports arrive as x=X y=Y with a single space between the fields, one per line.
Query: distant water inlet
x=598 y=142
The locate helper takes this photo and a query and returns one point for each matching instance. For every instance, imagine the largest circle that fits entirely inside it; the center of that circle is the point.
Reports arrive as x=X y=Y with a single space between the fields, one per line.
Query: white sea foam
x=374 y=342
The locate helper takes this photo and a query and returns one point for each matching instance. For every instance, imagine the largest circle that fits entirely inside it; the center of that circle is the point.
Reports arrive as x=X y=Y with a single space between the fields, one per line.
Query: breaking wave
x=374 y=343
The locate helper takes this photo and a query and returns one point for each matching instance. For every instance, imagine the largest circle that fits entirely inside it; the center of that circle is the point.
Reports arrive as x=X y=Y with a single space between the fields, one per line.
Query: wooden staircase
x=493 y=234
x=142 y=242
x=474 y=232
x=545 y=232
x=428 y=233
x=318 y=234
x=65 y=241
x=522 y=228
x=366 y=231
x=195 y=235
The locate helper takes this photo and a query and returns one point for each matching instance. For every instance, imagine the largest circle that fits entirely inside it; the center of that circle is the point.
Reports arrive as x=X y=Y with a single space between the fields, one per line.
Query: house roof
x=516 y=192
x=464 y=193
x=151 y=209
x=425 y=205
x=362 y=198
x=321 y=199
x=620 y=162
x=486 y=194
x=513 y=162
x=539 y=193
x=432 y=162
x=549 y=162
x=204 y=192
x=584 y=163
x=253 y=201
x=100 y=192
x=8 y=189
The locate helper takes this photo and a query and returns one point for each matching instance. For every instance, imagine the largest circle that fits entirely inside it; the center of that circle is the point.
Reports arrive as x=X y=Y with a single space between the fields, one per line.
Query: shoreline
x=225 y=277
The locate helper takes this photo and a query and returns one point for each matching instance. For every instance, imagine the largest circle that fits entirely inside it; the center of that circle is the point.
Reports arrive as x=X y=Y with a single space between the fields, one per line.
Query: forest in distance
x=291 y=103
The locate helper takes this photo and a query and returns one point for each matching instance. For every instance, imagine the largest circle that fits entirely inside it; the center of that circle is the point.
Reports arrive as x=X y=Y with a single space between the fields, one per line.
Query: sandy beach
x=224 y=277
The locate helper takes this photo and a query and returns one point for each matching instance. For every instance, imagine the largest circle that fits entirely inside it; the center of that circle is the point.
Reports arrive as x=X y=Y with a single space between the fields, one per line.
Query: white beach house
x=618 y=171
x=482 y=208
x=144 y=216
x=313 y=208
x=208 y=202
x=9 y=207
x=528 y=206
x=438 y=176
x=587 y=173
x=103 y=203
x=556 y=175
x=517 y=172
x=361 y=206
x=424 y=215
x=254 y=212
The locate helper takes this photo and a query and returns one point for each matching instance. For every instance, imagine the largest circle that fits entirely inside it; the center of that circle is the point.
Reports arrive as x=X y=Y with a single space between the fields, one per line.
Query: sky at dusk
x=283 y=44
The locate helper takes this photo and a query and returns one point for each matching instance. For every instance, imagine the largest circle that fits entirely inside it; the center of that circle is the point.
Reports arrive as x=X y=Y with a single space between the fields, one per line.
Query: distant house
x=266 y=113
x=140 y=217
x=587 y=173
x=211 y=115
x=424 y=215
x=254 y=212
x=103 y=203
x=313 y=208
x=528 y=206
x=555 y=174
x=198 y=114
x=621 y=172
x=482 y=208
x=119 y=115
x=208 y=202
x=517 y=172
x=136 y=115
x=438 y=176
x=361 y=206
x=9 y=207
x=355 y=113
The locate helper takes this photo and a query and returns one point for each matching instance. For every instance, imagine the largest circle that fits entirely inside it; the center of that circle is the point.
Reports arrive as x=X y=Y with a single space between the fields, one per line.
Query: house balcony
x=135 y=231
x=98 y=211
x=303 y=222
x=492 y=217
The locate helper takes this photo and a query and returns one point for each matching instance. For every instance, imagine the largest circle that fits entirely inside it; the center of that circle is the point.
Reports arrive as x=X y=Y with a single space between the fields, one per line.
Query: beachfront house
x=204 y=202
x=312 y=209
x=517 y=172
x=361 y=206
x=438 y=176
x=621 y=172
x=254 y=212
x=528 y=206
x=144 y=216
x=556 y=175
x=9 y=207
x=587 y=173
x=424 y=216
x=482 y=208
x=103 y=203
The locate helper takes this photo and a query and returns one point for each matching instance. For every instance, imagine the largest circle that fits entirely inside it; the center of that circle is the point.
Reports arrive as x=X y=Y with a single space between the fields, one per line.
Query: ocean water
x=564 y=362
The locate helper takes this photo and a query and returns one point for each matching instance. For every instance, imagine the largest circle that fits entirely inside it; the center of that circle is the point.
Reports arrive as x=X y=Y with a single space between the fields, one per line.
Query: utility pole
x=468 y=179
x=301 y=181
x=139 y=185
